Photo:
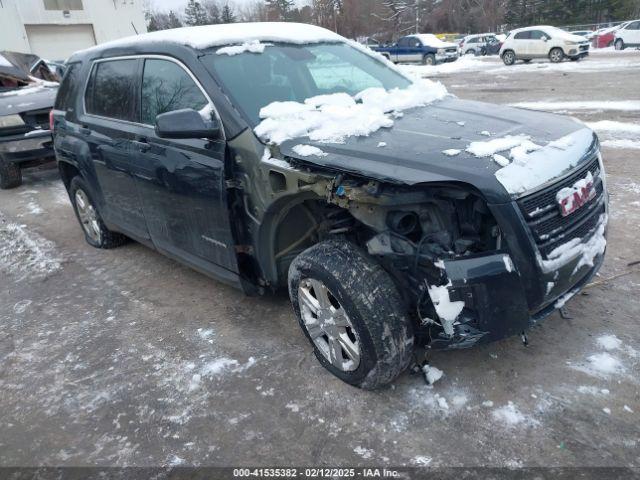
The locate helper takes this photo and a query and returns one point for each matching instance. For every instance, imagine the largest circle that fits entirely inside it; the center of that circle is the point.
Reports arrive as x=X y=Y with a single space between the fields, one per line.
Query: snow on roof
x=207 y=36
x=431 y=40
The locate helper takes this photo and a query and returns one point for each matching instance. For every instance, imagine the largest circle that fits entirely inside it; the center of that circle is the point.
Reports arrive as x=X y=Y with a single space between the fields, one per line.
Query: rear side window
x=167 y=87
x=538 y=34
x=522 y=35
x=69 y=84
x=111 y=91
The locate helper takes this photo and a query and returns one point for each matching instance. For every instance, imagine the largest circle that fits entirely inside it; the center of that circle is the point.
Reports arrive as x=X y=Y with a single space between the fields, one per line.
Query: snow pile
x=532 y=165
x=518 y=145
x=609 y=342
x=619 y=105
x=26 y=252
x=218 y=366
x=365 y=453
x=587 y=251
x=432 y=374
x=253 y=46
x=447 y=310
x=612 y=126
x=622 y=143
x=509 y=415
x=421 y=460
x=604 y=363
x=308 y=150
x=333 y=118
x=452 y=152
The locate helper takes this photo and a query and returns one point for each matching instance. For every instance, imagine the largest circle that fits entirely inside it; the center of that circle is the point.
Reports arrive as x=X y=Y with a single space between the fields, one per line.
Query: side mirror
x=186 y=123
x=417 y=44
x=544 y=39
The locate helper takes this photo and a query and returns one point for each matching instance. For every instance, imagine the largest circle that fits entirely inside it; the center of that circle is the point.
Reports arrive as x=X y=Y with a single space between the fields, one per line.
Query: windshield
x=285 y=72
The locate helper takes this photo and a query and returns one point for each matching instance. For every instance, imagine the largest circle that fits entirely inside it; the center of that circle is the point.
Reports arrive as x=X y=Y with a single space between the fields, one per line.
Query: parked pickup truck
x=425 y=48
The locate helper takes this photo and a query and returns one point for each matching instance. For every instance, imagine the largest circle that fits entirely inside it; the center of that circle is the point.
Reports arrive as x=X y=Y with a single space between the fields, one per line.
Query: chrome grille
x=542 y=212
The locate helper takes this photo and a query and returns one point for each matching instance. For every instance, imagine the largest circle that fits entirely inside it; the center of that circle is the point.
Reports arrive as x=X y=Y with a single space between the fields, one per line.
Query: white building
x=54 y=29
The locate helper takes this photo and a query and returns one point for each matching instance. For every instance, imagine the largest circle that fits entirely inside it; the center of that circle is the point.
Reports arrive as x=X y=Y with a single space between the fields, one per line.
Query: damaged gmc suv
x=275 y=156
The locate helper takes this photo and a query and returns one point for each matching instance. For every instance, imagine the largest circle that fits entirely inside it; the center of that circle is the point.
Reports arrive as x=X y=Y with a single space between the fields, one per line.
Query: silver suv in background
x=481 y=44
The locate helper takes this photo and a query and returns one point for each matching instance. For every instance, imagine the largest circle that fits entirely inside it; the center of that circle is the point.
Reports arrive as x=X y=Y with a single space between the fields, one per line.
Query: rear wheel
x=471 y=51
x=556 y=55
x=95 y=231
x=619 y=44
x=509 y=58
x=352 y=313
x=10 y=174
x=429 y=59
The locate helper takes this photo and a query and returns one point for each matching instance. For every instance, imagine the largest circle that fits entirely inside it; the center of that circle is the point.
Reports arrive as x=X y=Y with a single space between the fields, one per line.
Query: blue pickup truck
x=423 y=48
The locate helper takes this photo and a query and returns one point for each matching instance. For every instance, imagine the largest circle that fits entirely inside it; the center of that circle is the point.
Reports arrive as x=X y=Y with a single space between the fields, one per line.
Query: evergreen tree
x=194 y=14
x=227 y=14
x=213 y=11
x=279 y=10
x=174 y=21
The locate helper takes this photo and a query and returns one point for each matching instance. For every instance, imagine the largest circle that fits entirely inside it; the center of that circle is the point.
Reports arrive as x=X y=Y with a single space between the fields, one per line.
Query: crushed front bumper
x=495 y=300
x=33 y=145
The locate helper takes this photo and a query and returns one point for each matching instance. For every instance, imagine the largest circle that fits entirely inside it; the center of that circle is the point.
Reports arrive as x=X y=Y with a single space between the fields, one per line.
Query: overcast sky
x=170 y=4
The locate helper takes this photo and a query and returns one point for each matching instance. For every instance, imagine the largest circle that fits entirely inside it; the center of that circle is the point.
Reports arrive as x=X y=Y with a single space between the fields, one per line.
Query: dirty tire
x=509 y=57
x=619 y=44
x=106 y=238
x=371 y=300
x=10 y=174
x=556 y=55
x=429 y=59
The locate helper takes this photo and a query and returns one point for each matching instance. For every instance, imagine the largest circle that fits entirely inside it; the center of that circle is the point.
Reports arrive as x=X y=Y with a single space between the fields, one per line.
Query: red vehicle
x=606 y=36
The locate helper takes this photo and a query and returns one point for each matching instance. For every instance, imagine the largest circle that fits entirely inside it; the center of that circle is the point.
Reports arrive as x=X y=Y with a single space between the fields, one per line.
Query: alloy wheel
x=328 y=325
x=88 y=216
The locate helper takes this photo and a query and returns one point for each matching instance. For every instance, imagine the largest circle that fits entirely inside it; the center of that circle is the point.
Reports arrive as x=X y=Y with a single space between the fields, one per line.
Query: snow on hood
x=332 y=118
x=207 y=36
x=533 y=165
x=431 y=40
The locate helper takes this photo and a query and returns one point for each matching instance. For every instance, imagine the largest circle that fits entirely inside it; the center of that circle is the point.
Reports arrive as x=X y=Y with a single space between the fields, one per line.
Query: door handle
x=141 y=144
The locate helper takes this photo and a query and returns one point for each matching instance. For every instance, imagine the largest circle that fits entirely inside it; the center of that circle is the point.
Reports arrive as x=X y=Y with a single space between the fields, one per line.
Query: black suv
x=393 y=227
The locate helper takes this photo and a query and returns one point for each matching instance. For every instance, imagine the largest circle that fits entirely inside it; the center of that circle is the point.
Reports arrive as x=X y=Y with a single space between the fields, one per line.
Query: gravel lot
x=124 y=357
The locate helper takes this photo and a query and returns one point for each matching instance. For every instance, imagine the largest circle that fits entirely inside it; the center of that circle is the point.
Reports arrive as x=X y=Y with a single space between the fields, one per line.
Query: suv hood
x=25 y=99
x=411 y=151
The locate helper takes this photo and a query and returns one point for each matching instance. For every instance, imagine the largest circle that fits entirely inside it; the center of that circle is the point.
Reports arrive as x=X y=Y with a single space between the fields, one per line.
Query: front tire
x=95 y=231
x=509 y=58
x=620 y=44
x=429 y=59
x=352 y=313
x=556 y=55
x=10 y=174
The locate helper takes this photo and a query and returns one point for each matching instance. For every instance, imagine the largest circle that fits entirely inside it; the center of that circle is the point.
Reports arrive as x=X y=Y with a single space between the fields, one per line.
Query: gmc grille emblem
x=572 y=198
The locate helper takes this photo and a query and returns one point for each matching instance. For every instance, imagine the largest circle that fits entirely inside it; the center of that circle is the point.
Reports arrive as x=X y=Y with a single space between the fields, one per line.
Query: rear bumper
x=27 y=147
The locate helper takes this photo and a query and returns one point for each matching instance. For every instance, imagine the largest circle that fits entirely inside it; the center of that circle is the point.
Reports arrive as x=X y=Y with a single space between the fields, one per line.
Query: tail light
x=51 y=120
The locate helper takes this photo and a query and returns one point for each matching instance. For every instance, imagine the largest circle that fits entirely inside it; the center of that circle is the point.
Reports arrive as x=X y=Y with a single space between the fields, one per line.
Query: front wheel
x=95 y=231
x=429 y=59
x=351 y=312
x=620 y=44
x=509 y=58
x=10 y=174
x=556 y=55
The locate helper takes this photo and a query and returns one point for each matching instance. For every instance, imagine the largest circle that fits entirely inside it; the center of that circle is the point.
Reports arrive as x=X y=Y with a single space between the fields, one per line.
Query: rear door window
x=522 y=36
x=167 y=87
x=67 y=87
x=538 y=35
x=111 y=89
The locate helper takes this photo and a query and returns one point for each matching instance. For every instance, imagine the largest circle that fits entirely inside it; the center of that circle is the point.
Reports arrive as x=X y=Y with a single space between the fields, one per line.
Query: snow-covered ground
x=492 y=65
x=123 y=357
